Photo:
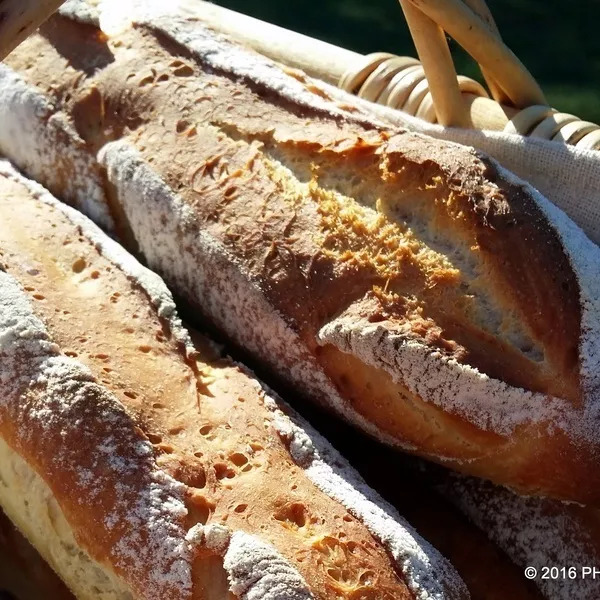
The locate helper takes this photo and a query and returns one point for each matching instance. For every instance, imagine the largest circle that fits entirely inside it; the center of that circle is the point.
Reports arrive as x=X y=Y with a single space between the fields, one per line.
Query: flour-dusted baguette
x=481 y=564
x=26 y=576
x=141 y=467
x=412 y=285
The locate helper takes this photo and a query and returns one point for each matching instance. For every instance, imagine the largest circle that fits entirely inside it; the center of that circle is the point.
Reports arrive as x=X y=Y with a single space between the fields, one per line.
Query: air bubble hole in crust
x=205 y=429
x=197 y=479
x=238 y=459
x=240 y=508
x=184 y=71
x=182 y=125
x=166 y=448
x=340 y=575
x=366 y=578
x=223 y=471
x=199 y=509
x=154 y=438
x=78 y=266
x=293 y=515
x=130 y=394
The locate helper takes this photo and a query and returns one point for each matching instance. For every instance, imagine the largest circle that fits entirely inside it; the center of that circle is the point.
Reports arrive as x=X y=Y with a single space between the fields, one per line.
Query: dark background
x=557 y=40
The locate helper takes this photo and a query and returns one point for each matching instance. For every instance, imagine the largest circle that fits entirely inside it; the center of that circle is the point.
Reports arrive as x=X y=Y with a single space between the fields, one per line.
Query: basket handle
x=471 y=24
x=433 y=51
x=480 y=8
x=473 y=34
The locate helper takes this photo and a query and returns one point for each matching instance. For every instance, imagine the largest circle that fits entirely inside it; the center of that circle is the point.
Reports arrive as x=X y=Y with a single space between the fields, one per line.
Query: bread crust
x=179 y=475
x=238 y=183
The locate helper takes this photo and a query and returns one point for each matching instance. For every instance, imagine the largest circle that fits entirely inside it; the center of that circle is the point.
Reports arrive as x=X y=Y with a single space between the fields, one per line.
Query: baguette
x=142 y=466
x=26 y=576
x=411 y=285
x=479 y=562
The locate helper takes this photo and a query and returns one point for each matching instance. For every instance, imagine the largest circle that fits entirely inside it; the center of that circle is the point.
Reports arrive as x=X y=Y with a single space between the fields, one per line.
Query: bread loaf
x=411 y=285
x=141 y=465
x=25 y=576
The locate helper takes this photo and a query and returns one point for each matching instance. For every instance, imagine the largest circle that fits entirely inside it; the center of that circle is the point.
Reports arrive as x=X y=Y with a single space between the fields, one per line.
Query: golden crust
x=330 y=215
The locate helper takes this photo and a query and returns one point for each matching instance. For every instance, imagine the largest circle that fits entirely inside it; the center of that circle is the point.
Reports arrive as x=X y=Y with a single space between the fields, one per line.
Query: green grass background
x=557 y=40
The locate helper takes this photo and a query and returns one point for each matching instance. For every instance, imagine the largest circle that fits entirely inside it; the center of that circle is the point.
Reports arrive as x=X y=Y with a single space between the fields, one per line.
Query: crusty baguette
x=26 y=576
x=480 y=563
x=141 y=467
x=410 y=284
